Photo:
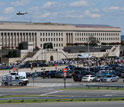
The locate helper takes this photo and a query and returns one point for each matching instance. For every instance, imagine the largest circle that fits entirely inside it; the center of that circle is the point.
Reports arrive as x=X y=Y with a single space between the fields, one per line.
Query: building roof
x=55 y=26
x=93 y=25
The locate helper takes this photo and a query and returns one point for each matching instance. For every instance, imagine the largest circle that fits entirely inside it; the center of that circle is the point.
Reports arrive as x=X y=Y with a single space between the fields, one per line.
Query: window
x=1 y=34
x=23 y=34
x=61 y=34
x=43 y=34
x=26 y=34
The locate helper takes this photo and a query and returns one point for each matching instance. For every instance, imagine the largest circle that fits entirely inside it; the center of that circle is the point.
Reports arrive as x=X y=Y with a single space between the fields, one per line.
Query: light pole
x=88 y=56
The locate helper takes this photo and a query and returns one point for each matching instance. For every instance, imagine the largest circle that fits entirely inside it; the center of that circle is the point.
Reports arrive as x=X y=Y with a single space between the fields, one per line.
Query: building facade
x=60 y=35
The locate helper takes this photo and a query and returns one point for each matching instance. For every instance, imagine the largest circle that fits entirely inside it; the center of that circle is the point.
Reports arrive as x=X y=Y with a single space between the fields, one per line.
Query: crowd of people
x=83 y=62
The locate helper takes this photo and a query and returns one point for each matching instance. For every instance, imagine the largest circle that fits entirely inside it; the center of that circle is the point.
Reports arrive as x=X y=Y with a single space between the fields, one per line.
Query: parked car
x=110 y=78
x=52 y=73
x=97 y=79
x=77 y=76
x=59 y=74
x=79 y=72
x=28 y=74
x=88 y=78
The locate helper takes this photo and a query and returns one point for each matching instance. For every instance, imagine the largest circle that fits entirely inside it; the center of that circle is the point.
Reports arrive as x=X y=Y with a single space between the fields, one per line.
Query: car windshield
x=108 y=76
x=21 y=77
x=85 y=76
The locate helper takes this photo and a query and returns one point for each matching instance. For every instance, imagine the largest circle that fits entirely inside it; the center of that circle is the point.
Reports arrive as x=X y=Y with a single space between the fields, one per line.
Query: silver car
x=110 y=78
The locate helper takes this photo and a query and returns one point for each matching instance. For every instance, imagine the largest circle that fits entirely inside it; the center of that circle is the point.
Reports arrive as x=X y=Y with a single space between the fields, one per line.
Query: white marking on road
x=51 y=93
x=108 y=95
x=48 y=84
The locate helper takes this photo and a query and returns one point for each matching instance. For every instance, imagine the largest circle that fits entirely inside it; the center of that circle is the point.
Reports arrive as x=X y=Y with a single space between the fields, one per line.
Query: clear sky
x=106 y=12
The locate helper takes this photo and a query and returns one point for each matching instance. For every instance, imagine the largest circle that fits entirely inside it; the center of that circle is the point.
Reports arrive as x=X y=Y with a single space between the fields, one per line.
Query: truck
x=14 y=79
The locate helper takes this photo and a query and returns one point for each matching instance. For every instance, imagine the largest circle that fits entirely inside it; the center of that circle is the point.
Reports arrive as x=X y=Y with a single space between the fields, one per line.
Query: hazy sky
x=107 y=12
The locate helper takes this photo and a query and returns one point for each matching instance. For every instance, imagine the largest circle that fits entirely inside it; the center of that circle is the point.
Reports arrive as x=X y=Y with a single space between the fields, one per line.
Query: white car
x=88 y=78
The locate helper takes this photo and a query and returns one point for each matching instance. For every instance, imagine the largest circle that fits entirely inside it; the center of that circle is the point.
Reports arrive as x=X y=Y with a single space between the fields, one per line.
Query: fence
x=105 y=86
x=58 y=99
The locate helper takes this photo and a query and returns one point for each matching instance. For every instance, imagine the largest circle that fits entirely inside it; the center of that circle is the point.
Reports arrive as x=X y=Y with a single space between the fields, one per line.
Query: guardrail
x=73 y=98
x=106 y=86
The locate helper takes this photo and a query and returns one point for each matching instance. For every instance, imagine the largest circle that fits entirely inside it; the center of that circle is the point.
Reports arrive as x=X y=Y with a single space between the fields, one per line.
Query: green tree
x=93 y=41
x=48 y=46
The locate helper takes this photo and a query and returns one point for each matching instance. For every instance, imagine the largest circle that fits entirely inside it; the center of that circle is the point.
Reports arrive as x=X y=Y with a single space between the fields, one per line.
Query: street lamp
x=88 y=56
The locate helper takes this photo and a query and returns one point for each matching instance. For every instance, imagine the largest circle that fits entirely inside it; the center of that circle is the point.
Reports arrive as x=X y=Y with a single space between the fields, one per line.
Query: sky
x=101 y=12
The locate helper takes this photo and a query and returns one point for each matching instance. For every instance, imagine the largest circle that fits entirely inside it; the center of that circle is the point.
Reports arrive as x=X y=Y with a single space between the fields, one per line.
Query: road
x=73 y=104
x=54 y=87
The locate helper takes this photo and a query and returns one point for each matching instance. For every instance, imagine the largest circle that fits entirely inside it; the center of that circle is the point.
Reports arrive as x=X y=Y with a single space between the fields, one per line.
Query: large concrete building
x=60 y=35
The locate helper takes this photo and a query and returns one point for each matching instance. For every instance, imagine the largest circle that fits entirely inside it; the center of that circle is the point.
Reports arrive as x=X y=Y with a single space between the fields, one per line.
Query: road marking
x=49 y=84
x=108 y=95
x=51 y=93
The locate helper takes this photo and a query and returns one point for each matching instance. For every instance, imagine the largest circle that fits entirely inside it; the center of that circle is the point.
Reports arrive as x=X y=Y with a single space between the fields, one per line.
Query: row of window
x=17 y=33
x=58 y=34
x=19 y=37
x=51 y=34
x=96 y=34
x=86 y=39
x=51 y=39
x=54 y=45
x=7 y=39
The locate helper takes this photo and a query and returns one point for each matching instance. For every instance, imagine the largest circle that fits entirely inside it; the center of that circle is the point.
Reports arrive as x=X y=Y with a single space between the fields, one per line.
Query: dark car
x=34 y=74
x=70 y=67
x=52 y=73
x=79 y=72
x=45 y=74
x=28 y=74
x=59 y=74
x=77 y=76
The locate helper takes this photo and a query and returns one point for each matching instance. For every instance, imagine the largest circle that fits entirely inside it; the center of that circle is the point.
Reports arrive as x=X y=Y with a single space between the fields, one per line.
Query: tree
x=93 y=41
x=21 y=46
x=48 y=46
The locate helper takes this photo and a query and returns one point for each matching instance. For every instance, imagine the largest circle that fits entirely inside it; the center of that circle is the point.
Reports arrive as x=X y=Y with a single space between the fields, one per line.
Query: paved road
x=54 y=89
x=51 y=86
x=73 y=104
